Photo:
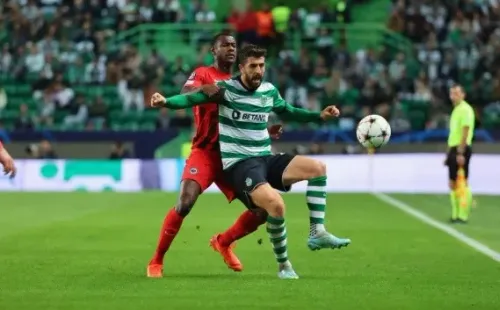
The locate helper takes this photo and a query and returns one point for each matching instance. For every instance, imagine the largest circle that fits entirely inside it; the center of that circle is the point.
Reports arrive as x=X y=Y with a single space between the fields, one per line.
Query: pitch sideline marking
x=472 y=243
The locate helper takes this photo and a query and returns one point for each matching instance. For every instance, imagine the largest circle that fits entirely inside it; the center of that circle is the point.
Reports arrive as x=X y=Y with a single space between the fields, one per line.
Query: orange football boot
x=227 y=253
x=155 y=271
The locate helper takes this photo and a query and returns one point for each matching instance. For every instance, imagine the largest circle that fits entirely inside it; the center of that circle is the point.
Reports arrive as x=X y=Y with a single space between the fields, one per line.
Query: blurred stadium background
x=81 y=71
x=75 y=79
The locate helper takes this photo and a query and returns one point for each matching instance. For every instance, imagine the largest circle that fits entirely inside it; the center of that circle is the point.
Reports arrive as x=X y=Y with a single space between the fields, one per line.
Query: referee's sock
x=464 y=209
x=454 y=205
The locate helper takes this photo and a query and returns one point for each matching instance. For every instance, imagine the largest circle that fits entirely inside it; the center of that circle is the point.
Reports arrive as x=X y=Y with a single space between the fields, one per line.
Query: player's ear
x=240 y=66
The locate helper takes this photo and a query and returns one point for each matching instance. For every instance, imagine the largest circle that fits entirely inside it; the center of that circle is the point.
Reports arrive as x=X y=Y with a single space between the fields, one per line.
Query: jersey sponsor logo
x=253 y=117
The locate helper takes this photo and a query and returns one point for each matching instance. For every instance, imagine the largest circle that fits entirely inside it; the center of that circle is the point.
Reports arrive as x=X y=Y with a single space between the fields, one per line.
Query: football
x=373 y=131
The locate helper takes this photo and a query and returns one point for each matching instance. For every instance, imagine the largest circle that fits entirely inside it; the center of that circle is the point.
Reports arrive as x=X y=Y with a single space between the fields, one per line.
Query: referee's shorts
x=451 y=162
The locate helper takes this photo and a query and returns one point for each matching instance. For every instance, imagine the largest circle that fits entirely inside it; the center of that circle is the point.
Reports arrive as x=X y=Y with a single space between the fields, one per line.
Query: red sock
x=171 y=225
x=247 y=223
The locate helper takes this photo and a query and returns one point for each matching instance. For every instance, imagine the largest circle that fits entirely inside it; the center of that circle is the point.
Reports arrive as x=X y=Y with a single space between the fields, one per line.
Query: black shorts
x=247 y=174
x=451 y=162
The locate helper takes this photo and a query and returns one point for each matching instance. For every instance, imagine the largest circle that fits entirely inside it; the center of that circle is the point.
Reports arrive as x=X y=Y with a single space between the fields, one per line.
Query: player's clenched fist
x=157 y=100
x=330 y=112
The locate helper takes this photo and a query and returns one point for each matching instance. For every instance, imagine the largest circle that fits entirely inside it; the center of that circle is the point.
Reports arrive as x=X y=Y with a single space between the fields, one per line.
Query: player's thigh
x=302 y=168
x=244 y=177
x=266 y=197
x=226 y=188
x=200 y=169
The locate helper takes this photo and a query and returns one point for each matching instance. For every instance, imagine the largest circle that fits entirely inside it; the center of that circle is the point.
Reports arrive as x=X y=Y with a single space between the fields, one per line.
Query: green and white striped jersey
x=243 y=117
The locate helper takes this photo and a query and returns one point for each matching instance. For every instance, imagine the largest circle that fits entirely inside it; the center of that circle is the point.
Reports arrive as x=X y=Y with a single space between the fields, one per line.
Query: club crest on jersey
x=263 y=100
x=193 y=171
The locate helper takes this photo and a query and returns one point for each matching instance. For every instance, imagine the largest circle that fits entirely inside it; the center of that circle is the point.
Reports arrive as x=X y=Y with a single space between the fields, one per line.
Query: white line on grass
x=476 y=245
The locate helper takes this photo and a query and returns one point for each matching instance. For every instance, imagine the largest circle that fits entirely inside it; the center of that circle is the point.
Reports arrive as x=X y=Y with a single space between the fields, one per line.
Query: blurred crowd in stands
x=55 y=52
x=454 y=42
x=59 y=51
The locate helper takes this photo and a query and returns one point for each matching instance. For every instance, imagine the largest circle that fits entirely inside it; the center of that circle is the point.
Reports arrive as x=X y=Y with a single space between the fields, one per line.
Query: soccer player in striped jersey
x=245 y=103
x=203 y=167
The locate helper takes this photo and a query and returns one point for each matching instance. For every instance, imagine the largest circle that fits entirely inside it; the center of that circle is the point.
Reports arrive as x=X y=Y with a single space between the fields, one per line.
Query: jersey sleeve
x=467 y=117
x=195 y=80
x=187 y=100
x=287 y=112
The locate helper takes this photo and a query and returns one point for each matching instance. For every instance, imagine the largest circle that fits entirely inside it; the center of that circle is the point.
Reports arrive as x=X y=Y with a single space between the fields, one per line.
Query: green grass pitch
x=89 y=251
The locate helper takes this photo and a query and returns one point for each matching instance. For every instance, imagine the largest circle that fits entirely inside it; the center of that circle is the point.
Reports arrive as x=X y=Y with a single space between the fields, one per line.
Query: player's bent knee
x=261 y=214
x=267 y=198
x=303 y=168
x=185 y=203
x=318 y=169
x=190 y=190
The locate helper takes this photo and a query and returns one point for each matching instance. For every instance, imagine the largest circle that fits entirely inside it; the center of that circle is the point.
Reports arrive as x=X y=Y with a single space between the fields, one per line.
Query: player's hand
x=157 y=100
x=460 y=160
x=209 y=89
x=275 y=131
x=329 y=113
x=9 y=168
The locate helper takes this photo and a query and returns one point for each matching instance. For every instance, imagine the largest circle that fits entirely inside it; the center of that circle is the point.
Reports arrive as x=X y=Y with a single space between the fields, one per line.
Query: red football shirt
x=206 y=116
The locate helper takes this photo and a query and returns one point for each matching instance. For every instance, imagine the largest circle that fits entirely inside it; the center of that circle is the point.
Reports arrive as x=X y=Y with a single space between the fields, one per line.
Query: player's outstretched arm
x=204 y=94
x=288 y=112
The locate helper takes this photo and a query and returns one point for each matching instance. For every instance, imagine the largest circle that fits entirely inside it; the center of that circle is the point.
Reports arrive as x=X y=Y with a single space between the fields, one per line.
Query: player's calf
x=302 y=168
x=270 y=200
x=190 y=190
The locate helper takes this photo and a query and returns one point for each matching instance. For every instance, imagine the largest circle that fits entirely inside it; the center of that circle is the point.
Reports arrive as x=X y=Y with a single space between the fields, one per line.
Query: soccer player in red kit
x=204 y=166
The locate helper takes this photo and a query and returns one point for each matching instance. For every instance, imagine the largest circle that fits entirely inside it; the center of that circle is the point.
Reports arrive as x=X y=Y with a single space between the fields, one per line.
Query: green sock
x=454 y=204
x=316 y=202
x=277 y=234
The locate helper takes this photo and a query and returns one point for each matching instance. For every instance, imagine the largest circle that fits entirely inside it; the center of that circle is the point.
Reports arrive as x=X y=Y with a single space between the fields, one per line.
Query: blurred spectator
x=95 y=72
x=167 y=11
x=130 y=91
x=397 y=68
x=35 y=60
x=265 y=26
x=6 y=60
x=118 y=151
x=281 y=16
x=181 y=120
x=179 y=72
x=98 y=112
x=43 y=150
x=78 y=112
x=246 y=26
x=162 y=120
x=25 y=121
